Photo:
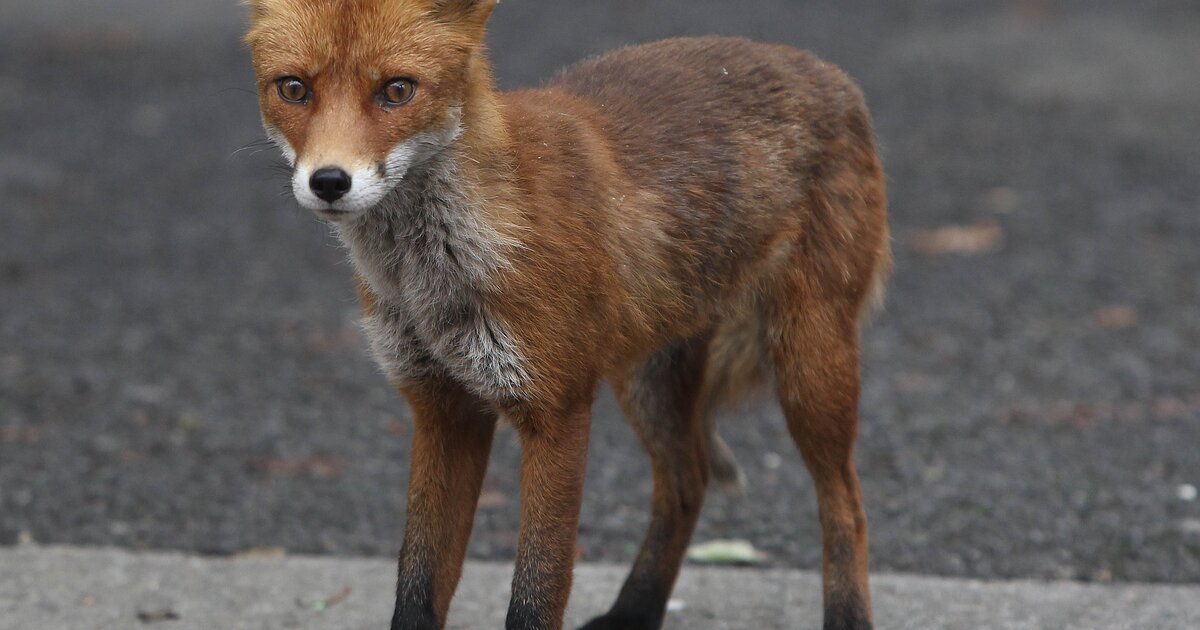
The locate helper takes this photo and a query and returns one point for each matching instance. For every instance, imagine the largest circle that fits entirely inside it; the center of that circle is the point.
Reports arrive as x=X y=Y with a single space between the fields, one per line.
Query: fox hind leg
x=660 y=398
x=814 y=348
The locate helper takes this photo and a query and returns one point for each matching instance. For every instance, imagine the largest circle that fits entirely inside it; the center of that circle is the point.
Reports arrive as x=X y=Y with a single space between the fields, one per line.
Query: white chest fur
x=431 y=257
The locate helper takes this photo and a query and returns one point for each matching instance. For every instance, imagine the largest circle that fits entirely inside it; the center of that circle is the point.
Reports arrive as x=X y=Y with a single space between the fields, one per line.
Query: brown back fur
x=733 y=192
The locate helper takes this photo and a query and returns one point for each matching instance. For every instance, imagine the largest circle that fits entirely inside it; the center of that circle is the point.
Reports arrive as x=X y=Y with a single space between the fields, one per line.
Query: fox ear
x=473 y=13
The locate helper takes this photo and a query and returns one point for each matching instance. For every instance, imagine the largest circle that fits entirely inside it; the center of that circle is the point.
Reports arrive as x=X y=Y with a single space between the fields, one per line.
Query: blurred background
x=180 y=365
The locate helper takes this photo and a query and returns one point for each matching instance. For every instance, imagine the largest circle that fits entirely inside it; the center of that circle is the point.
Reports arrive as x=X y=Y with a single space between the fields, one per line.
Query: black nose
x=330 y=184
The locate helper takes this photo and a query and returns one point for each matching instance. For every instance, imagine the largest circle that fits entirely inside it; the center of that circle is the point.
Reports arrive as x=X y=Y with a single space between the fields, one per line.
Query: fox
x=692 y=221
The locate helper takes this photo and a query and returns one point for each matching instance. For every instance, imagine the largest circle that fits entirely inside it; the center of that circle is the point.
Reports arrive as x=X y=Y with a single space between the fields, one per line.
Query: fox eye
x=293 y=90
x=399 y=92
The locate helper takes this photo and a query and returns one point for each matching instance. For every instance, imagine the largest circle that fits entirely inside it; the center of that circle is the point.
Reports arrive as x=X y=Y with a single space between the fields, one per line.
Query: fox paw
x=622 y=622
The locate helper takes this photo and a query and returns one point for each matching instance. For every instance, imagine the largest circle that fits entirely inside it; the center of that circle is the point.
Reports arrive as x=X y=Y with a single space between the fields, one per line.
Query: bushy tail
x=878 y=289
x=737 y=368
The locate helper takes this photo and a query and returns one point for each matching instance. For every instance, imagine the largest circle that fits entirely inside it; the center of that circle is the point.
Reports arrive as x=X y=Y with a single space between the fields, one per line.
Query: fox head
x=356 y=93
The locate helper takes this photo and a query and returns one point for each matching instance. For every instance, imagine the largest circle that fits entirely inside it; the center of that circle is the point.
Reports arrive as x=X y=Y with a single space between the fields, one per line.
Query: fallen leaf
x=322 y=605
x=342 y=596
x=1087 y=414
x=20 y=435
x=730 y=552
x=492 y=499
x=985 y=237
x=1116 y=317
x=1072 y=413
x=320 y=466
x=1172 y=408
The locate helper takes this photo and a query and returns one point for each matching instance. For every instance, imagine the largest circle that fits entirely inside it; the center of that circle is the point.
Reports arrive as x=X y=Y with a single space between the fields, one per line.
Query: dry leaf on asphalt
x=985 y=237
x=320 y=466
x=322 y=605
x=1116 y=317
x=735 y=552
x=20 y=435
x=492 y=498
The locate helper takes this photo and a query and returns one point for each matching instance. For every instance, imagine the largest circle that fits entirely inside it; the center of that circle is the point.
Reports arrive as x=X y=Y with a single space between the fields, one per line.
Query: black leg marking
x=846 y=611
x=414 y=604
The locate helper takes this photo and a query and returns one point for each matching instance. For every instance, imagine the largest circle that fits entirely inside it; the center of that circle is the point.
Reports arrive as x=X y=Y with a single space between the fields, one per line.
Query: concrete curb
x=100 y=589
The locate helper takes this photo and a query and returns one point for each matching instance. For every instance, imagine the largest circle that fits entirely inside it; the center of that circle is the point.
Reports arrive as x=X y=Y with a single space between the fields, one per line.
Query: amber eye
x=293 y=90
x=399 y=92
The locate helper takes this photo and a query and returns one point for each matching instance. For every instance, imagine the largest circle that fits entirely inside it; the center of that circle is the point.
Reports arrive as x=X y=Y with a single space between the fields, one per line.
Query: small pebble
x=676 y=606
x=1186 y=492
x=772 y=461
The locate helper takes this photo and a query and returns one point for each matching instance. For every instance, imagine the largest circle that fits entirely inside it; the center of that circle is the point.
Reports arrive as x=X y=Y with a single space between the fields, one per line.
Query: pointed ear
x=470 y=13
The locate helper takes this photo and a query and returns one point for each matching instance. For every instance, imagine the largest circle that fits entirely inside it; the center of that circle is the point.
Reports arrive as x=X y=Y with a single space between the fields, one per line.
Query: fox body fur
x=690 y=220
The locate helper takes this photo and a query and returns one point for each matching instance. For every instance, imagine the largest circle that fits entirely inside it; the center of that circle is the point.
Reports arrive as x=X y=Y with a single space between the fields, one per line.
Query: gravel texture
x=101 y=589
x=180 y=365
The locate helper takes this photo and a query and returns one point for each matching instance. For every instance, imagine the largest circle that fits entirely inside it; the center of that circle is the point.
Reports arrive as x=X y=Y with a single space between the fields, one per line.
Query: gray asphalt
x=180 y=366
x=73 y=589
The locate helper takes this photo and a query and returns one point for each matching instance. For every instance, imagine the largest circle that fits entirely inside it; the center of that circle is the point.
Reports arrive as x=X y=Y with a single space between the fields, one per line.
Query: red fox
x=688 y=220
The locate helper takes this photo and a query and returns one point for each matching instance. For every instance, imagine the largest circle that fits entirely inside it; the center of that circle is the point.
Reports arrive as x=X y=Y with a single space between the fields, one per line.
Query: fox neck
x=449 y=224
x=433 y=254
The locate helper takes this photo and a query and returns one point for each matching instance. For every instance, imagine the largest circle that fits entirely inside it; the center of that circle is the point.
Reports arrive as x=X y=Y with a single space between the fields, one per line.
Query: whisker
x=280 y=167
x=259 y=145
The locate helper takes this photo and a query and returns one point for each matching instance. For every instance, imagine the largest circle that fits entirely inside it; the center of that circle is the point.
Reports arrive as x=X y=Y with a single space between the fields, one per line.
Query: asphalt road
x=180 y=366
x=105 y=589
